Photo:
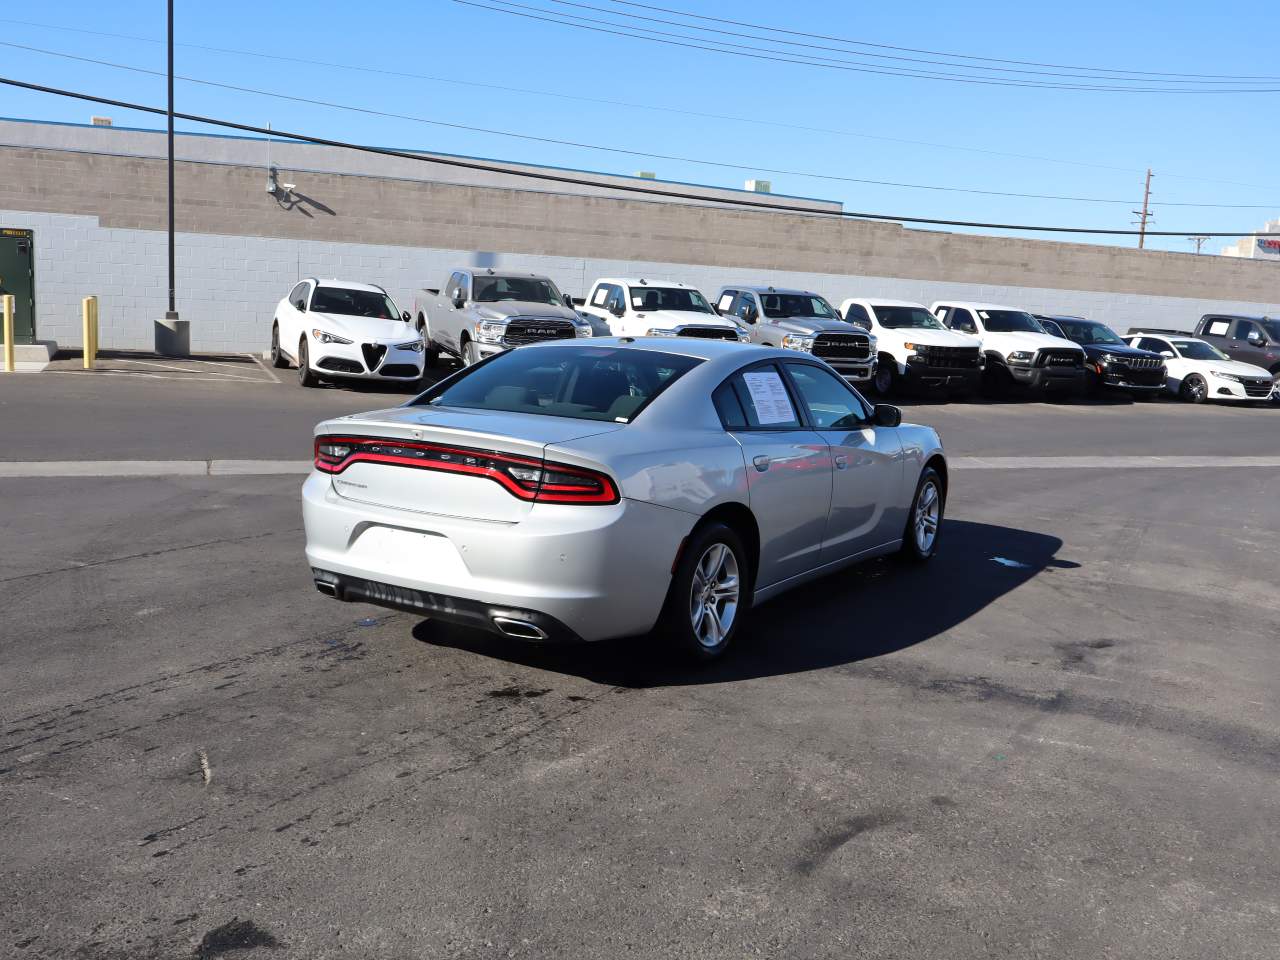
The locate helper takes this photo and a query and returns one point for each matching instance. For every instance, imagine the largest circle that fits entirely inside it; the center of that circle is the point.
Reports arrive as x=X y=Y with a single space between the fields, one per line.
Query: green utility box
x=18 y=277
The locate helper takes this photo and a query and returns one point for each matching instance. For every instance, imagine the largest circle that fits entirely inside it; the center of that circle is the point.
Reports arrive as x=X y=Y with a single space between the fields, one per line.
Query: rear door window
x=1217 y=328
x=765 y=399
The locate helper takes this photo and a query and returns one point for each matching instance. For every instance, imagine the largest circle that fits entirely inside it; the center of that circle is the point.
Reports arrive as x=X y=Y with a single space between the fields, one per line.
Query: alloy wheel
x=925 y=521
x=713 y=597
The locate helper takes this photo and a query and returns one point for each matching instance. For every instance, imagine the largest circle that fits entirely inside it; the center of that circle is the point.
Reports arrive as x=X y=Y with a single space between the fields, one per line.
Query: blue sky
x=1204 y=147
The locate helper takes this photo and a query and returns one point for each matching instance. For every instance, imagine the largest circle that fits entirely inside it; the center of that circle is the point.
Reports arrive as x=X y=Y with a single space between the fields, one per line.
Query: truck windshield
x=583 y=383
x=524 y=289
x=1085 y=331
x=353 y=303
x=902 y=318
x=1009 y=321
x=779 y=306
x=649 y=299
x=1198 y=350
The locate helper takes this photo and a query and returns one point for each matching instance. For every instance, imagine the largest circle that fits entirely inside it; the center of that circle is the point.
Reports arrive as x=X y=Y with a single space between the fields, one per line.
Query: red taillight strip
x=598 y=488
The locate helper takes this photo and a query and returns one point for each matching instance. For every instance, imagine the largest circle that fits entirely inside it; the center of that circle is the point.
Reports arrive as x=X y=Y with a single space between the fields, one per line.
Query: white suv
x=1015 y=348
x=657 y=308
x=1199 y=371
x=336 y=328
x=915 y=348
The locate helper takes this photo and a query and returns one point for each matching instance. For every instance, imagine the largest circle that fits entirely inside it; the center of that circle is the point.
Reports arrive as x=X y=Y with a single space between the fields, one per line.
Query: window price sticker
x=769 y=397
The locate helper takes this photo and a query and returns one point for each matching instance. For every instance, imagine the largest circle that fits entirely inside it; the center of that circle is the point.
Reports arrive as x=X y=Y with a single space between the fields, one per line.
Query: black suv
x=1109 y=361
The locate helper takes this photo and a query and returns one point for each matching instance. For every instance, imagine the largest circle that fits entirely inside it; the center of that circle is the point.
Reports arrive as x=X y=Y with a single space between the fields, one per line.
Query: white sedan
x=579 y=491
x=1199 y=371
x=339 y=329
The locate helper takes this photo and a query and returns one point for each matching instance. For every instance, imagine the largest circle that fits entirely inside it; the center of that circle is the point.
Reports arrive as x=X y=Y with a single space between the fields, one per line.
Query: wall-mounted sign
x=1268 y=245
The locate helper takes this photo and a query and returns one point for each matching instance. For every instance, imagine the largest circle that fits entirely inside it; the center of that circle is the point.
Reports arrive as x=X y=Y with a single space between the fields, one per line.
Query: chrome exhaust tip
x=519 y=629
x=327 y=588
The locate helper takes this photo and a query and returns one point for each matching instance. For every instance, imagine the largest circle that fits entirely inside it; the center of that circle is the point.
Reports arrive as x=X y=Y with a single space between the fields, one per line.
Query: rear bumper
x=578 y=572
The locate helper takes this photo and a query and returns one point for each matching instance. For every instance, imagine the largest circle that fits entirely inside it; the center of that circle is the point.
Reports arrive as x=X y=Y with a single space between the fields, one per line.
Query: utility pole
x=1145 y=213
x=1199 y=242
x=173 y=336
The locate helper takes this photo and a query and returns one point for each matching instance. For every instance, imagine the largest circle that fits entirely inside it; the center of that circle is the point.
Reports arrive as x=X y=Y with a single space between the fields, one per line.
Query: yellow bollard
x=10 y=307
x=89 y=309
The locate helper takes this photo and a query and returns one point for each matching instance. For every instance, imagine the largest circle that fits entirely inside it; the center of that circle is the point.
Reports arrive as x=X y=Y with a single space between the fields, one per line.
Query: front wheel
x=430 y=352
x=1194 y=389
x=886 y=377
x=924 y=521
x=710 y=593
x=305 y=375
x=470 y=354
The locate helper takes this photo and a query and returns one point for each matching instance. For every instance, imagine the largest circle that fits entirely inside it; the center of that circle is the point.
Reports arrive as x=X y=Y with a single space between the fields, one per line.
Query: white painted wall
x=228 y=286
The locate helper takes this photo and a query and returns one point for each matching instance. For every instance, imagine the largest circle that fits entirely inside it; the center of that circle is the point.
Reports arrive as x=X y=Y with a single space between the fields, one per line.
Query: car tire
x=924 y=519
x=1194 y=389
x=996 y=380
x=430 y=352
x=711 y=584
x=277 y=355
x=306 y=377
x=470 y=354
x=886 y=377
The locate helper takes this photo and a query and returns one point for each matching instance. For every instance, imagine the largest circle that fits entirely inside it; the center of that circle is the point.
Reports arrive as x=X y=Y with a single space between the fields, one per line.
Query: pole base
x=173 y=336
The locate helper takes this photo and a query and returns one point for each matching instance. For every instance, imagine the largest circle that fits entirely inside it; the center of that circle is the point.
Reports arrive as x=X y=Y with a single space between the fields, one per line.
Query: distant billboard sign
x=1269 y=245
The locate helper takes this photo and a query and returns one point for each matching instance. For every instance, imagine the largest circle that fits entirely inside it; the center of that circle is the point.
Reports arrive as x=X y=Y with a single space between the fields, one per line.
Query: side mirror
x=404 y=315
x=617 y=310
x=1167 y=353
x=1255 y=337
x=886 y=415
x=568 y=301
x=750 y=316
x=459 y=302
x=301 y=305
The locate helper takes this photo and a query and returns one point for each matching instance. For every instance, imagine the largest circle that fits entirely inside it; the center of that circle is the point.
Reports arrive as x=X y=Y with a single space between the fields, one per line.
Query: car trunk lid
x=473 y=464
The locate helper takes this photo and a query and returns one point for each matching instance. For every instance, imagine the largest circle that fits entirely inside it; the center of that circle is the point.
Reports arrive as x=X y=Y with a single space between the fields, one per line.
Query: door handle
x=842 y=462
x=761 y=462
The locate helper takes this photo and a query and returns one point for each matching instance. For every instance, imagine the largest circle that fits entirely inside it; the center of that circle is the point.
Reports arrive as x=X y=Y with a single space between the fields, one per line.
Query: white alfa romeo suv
x=334 y=329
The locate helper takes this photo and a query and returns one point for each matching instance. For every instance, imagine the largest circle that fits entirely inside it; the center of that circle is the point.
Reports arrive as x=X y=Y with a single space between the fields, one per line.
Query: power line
x=1123 y=75
x=935 y=53
x=755 y=205
x=777 y=56
x=592 y=146
x=757 y=121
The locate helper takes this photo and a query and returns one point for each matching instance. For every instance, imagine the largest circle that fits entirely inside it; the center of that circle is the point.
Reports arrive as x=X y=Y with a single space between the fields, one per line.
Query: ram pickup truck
x=657 y=308
x=800 y=320
x=482 y=312
x=915 y=349
x=1254 y=340
x=1015 y=348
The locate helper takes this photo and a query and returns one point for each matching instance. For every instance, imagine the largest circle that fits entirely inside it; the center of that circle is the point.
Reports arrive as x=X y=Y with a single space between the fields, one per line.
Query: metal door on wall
x=18 y=278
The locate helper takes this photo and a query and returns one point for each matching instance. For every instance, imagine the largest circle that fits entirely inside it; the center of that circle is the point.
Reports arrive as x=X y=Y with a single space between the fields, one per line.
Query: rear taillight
x=523 y=477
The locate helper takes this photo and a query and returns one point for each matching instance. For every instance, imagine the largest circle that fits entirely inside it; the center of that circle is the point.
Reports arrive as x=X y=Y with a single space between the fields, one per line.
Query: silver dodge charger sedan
x=578 y=491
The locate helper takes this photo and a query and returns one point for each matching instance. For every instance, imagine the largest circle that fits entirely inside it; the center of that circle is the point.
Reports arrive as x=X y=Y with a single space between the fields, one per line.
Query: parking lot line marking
x=1106 y=463
x=16 y=470
x=214 y=373
x=260 y=468
x=158 y=376
x=265 y=369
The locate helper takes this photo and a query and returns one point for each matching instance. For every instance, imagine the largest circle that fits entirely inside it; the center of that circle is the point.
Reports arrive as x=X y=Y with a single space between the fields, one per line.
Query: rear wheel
x=924 y=521
x=710 y=593
x=1194 y=389
x=305 y=376
x=277 y=355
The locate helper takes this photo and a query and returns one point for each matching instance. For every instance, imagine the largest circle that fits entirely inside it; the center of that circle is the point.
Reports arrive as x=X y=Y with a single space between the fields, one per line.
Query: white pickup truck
x=1015 y=348
x=915 y=349
x=481 y=312
x=657 y=308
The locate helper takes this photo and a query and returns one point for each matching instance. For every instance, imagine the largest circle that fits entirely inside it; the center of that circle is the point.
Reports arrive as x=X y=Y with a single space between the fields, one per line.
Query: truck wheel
x=470 y=354
x=305 y=377
x=430 y=352
x=277 y=356
x=886 y=378
x=1194 y=389
x=996 y=380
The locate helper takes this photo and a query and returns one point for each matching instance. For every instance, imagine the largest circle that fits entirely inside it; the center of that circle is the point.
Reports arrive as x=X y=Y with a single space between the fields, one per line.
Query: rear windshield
x=353 y=303
x=582 y=383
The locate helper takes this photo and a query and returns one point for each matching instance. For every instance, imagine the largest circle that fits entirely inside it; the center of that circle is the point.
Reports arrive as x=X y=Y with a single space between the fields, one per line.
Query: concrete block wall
x=229 y=285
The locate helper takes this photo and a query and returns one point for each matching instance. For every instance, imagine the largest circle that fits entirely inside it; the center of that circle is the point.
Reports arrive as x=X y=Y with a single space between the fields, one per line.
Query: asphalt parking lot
x=1059 y=739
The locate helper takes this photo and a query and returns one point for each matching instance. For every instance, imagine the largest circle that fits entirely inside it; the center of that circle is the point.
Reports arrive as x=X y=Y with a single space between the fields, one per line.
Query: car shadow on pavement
x=867 y=611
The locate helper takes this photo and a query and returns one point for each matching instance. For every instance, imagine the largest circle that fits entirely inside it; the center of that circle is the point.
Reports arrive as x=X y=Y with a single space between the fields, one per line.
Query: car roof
x=704 y=349
x=349 y=285
x=490 y=272
x=761 y=289
x=887 y=302
x=972 y=305
x=644 y=282
x=1164 y=335
x=1235 y=316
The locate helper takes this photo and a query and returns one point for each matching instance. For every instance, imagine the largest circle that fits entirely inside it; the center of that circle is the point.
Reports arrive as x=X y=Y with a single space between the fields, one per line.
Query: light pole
x=173 y=336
